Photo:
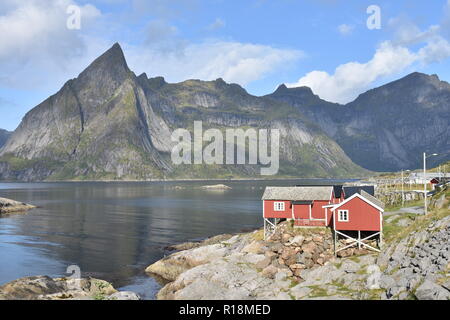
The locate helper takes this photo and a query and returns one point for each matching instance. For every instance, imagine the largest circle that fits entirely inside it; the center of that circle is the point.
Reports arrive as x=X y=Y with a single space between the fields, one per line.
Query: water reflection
x=114 y=230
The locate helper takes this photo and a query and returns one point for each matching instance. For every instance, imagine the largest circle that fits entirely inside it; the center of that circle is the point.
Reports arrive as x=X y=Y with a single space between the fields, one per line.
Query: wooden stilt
x=359 y=239
x=335 y=238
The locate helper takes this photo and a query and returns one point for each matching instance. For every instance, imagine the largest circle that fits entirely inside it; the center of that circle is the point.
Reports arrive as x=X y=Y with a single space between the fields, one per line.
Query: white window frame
x=340 y=218
x=278 y=206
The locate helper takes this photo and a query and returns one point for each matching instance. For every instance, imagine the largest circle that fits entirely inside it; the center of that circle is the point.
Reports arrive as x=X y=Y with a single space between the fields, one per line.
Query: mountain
x=109 y=123
x=386 y=128
x=4 y=135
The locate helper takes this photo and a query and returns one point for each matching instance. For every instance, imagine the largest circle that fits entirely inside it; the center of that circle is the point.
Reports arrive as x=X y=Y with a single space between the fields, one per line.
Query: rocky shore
x=46 y=288
x=299 y=264
x=9 y=206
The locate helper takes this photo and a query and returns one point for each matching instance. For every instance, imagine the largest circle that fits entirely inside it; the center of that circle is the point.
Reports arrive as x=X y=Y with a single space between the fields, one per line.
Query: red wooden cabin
x=346 y=210
x=360 y=214
x=303 y=204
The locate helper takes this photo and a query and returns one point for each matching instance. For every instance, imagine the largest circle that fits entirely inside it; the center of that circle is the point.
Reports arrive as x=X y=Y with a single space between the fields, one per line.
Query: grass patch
x=392 y=232
x=258 y=235
x=317 y=291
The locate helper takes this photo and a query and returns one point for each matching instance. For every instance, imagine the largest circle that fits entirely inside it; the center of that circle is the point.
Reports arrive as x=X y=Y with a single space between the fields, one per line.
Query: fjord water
x=114 y=230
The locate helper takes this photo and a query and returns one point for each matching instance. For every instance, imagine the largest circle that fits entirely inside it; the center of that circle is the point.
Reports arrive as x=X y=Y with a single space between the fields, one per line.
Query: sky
x=338 y=48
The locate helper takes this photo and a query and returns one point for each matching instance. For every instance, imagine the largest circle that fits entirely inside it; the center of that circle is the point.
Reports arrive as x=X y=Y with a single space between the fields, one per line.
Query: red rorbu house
x=351 y=212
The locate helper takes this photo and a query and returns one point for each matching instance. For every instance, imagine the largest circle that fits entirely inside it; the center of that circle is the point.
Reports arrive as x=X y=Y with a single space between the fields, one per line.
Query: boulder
x=309 y=247
x=46 y=288
x=286 y=237
x=403 y=222
x=256 y=247
x=299 y=292
x=172 y=266
x=429 y=290
x=287 y=253
x=297 y=240
x=269 y=271
x=216 y=187
x=124 y=295
x=8 y=206
x=318 y=239
x=263 y=263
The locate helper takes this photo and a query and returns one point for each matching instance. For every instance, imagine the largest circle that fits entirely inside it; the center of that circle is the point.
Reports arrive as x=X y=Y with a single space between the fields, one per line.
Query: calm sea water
x=113 y=231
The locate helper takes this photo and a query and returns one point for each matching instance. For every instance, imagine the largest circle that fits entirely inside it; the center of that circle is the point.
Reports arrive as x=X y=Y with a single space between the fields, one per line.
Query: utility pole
x=403 y=192
x=425 y=180
x=425 y=183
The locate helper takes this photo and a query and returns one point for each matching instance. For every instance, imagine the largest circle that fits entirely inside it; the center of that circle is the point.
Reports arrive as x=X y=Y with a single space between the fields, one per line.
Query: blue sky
x=324 y=44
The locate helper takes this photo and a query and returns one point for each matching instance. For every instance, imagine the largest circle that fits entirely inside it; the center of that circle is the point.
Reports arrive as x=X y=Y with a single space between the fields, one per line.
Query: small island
x=216 y=187
x=10 y=206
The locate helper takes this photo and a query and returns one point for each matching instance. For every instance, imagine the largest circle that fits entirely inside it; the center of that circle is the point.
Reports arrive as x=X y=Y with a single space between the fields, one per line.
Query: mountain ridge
x=110 y=124
x=385 y=128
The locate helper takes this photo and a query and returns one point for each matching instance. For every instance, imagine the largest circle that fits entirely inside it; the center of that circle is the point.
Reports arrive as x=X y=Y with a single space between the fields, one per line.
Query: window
x=343 y=215
x=278 y=206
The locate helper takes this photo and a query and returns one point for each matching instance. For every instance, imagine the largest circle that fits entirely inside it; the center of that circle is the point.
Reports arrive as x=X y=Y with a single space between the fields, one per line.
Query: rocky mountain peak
x=298 y=91
x=111 y=64
x=156 y=82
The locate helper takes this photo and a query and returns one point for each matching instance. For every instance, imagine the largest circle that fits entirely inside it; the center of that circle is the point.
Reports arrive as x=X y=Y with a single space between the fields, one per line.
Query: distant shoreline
x=182 y=180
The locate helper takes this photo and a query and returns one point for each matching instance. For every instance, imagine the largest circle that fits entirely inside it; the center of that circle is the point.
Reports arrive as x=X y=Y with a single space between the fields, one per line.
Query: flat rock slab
x=9 y=206
x=46 y=288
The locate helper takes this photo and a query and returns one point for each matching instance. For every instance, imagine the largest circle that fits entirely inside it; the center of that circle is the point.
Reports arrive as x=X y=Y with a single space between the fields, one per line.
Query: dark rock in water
x=46 y=288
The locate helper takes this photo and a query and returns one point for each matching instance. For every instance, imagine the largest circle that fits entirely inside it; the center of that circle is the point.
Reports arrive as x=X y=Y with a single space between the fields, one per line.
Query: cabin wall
x=329 y=216
x=301 y=211
x=362 y=216
x=317 y=211
x=269 y=211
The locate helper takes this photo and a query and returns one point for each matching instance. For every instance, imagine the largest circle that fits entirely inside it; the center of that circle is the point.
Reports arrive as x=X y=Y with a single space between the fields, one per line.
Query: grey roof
x=349 y=191
x=337 y=188
x=372 y=199
x=298 y=193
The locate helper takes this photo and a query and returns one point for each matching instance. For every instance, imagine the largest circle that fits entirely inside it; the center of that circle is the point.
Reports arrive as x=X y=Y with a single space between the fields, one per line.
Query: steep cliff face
x=4 y=135
x=386 y=128
x=109 y=124
x=94 y=127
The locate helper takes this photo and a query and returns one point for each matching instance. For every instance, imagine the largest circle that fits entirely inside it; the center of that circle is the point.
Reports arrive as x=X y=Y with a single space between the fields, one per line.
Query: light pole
x=403 y=189
x=425 y=180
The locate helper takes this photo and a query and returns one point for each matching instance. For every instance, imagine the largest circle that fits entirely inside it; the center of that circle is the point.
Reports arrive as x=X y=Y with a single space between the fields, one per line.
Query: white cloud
x=390 y=58
x=345 y=29
x=233 y=61
x=217 y=24
x=351 y=78
x=436 y=50
x=36 y=43
x=35 y=37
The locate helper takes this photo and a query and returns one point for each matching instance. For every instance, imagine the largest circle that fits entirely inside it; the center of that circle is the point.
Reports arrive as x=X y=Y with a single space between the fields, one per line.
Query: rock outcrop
x=216 y=187
x=9 y=206
x=299 y=264
x=247 y=267
x=419 y=265
x=46 y=288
